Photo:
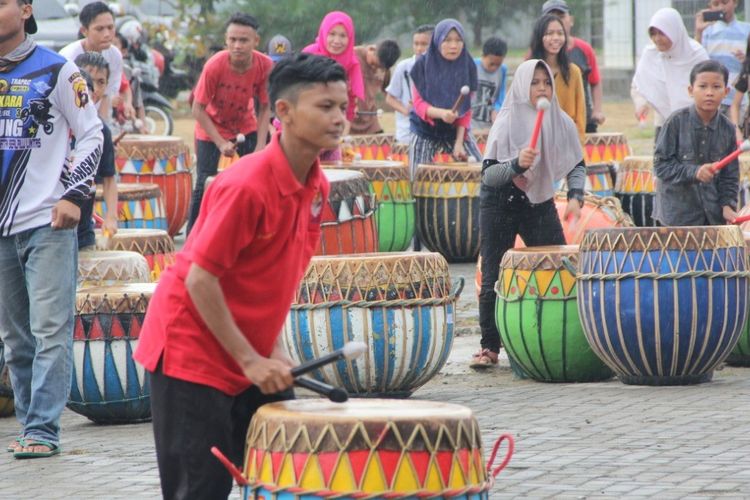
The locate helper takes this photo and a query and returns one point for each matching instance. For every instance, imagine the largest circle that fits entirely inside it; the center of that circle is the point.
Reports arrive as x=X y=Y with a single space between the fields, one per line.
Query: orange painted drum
x=348 y=222
x=163 y=160
x=605 y=148
x=373 y=448
x=155 y=245
x=372 y=146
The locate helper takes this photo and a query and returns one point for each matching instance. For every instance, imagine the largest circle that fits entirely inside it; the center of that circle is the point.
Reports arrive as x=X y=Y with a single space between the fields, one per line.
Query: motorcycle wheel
x=158 y=120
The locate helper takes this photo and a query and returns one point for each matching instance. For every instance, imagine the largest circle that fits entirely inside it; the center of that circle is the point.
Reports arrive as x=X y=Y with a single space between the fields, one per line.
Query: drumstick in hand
x=350 y=350
x=335 y=394
x=745 y=146
x=742 y=218
x=542 y=105
x=464 y=92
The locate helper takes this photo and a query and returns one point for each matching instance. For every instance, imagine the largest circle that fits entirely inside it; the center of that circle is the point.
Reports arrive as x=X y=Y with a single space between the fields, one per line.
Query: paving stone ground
x=576 y=441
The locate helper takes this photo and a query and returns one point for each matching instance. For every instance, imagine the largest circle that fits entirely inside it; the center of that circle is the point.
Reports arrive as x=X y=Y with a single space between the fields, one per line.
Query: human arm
x=271 y=375
x=396 y=104
x=109 y=187
x=428 y=112
x=226 y=147
x=700 y=25
x=597 y=97
x=576 y=181
x=639 y=102
x=264 y=120
x=497 y=174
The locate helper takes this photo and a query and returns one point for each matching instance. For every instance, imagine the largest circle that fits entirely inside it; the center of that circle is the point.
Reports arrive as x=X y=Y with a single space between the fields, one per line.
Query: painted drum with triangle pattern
x=139 y=206
x=447 y=197
x=610 y=148
x=155 y=245
x=666 y=305
x=391 y=186
x=347 y=222
x=106 y=268
x=366 y=449
x=108 y=386
x=7 y=408
x=162 y=160
x=537 y=316
x=636 y=188
x=400 y=305
x=372 y=146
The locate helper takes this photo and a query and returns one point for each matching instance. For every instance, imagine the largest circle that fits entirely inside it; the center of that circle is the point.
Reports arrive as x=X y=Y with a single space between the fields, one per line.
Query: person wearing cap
x=582 y=55
x=42 y=188
x=279 y=47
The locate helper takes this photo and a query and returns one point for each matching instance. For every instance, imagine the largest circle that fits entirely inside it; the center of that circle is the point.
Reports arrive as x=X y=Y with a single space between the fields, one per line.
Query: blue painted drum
x=108 y=386
x=663 y=306
x=399 y=304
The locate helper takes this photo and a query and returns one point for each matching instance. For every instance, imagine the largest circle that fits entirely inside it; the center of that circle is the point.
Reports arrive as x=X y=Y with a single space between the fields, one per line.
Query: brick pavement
x=603 y=440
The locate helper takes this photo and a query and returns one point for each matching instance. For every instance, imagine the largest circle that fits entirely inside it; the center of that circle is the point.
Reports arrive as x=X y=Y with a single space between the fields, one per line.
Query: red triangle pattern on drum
x=95 y=332
x=135 y=328
x=328 y=461
x=298 y=461
x=276 y=458
x=445 y=461
x=259 y=455
x=421 y=462
x=116 y=331
x=463 y=459
x=120 y=163
x=358 y=459
x=389 y=460
x=78 y=331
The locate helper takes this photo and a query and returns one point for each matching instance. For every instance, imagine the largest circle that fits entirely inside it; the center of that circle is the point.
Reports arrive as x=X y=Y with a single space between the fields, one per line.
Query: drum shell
x=156 y=246
x=139 y=206
x=740 y=355
x=372 y=146
x=108 y=386
x=636 y=188
x=611 y=148
x=638 y=287
x=537 y=317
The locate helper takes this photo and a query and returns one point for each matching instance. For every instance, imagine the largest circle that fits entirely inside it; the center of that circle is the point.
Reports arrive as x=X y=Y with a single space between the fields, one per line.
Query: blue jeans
x=37 y=305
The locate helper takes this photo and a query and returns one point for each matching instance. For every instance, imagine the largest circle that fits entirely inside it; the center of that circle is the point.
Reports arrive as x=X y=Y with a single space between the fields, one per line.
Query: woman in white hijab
x=516 y=197
x=662 y=77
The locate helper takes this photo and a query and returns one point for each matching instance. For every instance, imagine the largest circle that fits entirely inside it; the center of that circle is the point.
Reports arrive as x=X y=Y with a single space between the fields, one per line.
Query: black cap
x=30 y=27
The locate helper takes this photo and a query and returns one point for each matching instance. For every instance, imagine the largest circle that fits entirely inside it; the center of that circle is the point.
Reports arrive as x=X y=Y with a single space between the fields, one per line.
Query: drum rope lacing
x=663 y=276
x=455 y=292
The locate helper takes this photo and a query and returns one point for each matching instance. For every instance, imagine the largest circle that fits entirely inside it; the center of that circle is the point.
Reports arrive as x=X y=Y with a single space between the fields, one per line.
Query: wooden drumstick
x=335 y=394
x=377 y=113
x=464 y=92
x=745 y=146
x=542 y=105
x=351 y=350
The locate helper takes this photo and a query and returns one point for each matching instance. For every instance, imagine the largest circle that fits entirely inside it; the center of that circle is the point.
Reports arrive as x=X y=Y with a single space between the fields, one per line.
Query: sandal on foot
x=483 y=359
x=14 y=445
x=53 y=449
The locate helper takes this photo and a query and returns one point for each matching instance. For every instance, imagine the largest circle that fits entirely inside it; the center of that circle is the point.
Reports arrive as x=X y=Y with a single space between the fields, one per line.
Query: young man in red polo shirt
x=224 y=103
x=211 y=335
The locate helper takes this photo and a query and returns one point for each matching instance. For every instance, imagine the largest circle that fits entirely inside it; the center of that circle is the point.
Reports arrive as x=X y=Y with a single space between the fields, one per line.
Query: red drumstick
x=745 y=146
x=541 y=106
x=464 y=92
x=742 y=218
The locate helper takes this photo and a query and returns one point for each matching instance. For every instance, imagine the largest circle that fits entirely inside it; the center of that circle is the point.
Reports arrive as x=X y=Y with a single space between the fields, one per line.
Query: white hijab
x=559 y=144
x=662 y=78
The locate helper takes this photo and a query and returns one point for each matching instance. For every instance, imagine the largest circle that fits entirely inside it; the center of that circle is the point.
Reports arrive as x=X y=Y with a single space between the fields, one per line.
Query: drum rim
x=393 y=410
x=662 y=238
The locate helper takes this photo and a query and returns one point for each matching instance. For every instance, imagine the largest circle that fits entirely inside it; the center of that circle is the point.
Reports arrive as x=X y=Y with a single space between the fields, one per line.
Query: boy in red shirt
x=210 y=339
x=224 y=103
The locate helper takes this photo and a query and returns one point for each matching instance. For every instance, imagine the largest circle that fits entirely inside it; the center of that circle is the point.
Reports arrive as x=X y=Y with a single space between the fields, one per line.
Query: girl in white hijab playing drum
x=516 y=196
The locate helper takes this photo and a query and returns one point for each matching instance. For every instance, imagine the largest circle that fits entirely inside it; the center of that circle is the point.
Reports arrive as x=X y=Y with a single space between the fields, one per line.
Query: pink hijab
x=347 y=59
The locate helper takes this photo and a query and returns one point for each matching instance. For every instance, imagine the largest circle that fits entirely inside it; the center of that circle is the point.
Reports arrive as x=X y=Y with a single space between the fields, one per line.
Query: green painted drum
x=537 y=316
x=395 y=216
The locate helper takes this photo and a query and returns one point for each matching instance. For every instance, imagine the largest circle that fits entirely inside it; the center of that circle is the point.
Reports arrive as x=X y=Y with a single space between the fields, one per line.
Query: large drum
x=7 y=408
x=315 y=449
x=400 y=304
x=448 y=209
x=139 y=206
x=611 y=148
x=636 y=188
x=373 y=146
x=105 y=268
x=537 y=316
x=390 y=183
x=663 y=306
x=599 y=181
x=347 y=223
x=740 y=355
x=156 y=246
x=163 y=160
x=400 y=153
x=109 y=387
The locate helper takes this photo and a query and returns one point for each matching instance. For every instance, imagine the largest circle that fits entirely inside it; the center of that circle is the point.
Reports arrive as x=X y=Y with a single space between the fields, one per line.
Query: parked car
x=57 y=23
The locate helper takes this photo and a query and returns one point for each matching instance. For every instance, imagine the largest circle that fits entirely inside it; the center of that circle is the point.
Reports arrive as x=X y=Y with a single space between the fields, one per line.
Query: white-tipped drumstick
x=464 y=92
x=351 y=350
x=542 y=105
x=745 y=146
x=240 y=139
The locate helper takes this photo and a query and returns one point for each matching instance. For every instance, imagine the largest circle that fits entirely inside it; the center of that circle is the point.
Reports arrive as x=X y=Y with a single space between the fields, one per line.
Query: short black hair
x=294 y=73
x=709 y=66
x=91 y=11
x=244 y=20
x=93 y=59
x=388 y=53
x=495 y=46
x=424 y=28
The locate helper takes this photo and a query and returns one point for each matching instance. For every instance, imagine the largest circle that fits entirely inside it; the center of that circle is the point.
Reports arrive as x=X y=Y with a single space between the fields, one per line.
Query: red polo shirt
x=257 y=230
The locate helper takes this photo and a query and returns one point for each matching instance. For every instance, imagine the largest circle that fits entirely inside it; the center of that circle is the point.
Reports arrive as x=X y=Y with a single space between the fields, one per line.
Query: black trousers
x=505 y=213
x=207 y=159
x=188 y=420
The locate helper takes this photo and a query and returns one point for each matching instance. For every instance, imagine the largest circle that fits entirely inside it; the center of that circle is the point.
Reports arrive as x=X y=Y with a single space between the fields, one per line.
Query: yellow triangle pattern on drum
x=457 y=475
x=507 y=280
x=343 y=476
x=434 y=481
x=266 y=469
x=406 y=477
x=543 y=279
x=251 y=470
x=568 y=281
x=373 y=480
x=312 y=475
x=286 y=474
x=473 y=476
x=522 y=280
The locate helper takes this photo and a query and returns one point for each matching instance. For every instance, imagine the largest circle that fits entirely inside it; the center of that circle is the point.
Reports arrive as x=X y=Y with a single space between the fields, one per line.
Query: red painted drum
x=163 y=160
x=347 y=223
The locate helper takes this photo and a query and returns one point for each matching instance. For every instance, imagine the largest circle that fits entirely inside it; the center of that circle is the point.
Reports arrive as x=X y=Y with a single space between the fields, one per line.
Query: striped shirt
x=722 y=41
